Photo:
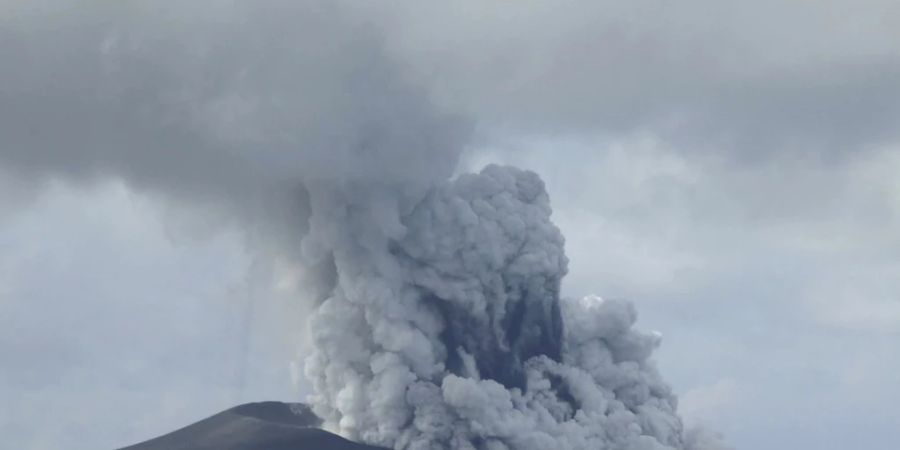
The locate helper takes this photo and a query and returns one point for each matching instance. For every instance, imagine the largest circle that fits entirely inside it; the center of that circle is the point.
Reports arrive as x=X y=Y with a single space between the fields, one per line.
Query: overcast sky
x=730 y=167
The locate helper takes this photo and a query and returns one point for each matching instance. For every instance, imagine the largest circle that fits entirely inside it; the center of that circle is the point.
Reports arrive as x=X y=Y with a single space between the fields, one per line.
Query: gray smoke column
x=440 y=323
x=444 y=327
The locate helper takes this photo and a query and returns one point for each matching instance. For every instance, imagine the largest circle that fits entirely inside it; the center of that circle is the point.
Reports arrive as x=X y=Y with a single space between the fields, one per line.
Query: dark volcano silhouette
x=254 y=426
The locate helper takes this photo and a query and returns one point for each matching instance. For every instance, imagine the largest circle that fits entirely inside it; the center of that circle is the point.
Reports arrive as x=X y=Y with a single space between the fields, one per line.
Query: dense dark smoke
x=439 y=323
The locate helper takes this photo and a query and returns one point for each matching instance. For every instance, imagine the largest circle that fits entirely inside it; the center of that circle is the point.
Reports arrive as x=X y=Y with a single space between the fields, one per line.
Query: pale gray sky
x=728 y=166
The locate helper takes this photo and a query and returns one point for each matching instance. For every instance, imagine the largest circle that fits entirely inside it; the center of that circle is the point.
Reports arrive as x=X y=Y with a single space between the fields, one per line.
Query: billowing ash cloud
x=444 y=328
x=228 y=105
x=440 y=323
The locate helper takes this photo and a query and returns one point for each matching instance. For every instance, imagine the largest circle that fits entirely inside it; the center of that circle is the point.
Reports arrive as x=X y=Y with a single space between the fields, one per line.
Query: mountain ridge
x=269 y=425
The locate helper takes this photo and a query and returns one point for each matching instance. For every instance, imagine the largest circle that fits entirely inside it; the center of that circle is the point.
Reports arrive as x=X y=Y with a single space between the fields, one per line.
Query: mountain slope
x=254 y=426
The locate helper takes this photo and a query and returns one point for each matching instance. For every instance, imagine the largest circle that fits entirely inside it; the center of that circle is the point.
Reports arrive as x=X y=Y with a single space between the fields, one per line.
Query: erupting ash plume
x=440 y=323
x=443 y=327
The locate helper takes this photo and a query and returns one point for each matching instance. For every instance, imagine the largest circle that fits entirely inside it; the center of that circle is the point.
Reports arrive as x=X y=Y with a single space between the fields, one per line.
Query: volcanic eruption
x=443 y=327
x=438 y=321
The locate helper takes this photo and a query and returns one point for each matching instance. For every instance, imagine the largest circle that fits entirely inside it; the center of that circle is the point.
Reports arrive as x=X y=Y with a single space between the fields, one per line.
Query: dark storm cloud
x=743 y=80
x=829 y=112
x=179 y=97
x=226 y=104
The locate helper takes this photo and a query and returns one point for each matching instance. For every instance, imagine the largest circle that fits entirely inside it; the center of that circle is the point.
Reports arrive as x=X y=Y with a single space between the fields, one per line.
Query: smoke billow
x=444 y=328
x=233 y=106
x=440 y=323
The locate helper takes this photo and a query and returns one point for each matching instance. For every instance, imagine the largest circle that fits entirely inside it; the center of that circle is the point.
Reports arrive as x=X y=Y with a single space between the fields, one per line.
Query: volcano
x=254 y=426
